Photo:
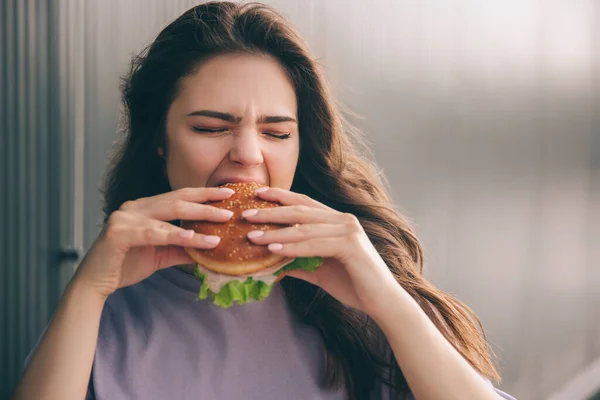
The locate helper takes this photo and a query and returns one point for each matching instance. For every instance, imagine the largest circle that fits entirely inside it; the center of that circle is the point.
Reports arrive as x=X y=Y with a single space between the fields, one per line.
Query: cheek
x=190 y=164
x=281 y=165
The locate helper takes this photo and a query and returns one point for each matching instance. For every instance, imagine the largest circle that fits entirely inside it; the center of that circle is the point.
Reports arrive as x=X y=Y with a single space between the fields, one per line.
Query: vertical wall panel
x=20 y=316
x=41 y=80
x=20 y=190
x=10 y=60
x=3 y=184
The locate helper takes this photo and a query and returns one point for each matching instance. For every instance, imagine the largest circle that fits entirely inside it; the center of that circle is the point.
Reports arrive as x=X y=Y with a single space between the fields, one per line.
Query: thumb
x=168 y=256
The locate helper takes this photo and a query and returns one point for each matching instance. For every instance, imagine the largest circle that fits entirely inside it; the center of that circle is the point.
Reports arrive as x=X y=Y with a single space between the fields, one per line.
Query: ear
x=161 y=152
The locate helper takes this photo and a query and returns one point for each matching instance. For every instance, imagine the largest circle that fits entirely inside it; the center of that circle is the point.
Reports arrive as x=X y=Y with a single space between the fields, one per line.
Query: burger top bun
x=235 y=254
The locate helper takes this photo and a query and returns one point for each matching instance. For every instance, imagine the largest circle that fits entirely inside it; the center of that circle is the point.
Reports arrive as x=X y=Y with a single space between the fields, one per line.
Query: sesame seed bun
x=235 y=255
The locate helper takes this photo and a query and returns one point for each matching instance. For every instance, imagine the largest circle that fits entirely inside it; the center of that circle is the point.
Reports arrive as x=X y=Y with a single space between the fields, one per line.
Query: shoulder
x=140 y=308
x=126 y=302
x=131 y=310
x=138 y=300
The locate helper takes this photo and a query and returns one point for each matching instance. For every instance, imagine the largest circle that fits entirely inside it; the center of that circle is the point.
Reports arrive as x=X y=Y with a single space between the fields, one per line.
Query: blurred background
x=484 y=115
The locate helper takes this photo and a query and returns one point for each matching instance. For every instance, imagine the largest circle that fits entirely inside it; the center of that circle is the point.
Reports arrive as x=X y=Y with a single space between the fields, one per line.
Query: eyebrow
x=264 y=119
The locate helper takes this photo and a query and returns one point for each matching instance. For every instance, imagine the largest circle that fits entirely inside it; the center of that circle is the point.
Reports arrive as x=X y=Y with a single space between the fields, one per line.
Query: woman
x=229 y=92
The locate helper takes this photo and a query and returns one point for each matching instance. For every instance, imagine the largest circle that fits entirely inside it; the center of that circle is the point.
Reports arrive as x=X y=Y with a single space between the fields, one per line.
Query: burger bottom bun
x=269 y=263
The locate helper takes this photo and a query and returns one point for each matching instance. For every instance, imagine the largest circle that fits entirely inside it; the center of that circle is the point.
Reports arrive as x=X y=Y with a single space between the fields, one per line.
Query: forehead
x=239 y=84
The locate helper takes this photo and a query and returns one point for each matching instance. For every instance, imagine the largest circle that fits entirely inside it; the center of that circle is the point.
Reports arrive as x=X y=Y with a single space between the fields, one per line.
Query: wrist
x=80 y=287
x=397 y=306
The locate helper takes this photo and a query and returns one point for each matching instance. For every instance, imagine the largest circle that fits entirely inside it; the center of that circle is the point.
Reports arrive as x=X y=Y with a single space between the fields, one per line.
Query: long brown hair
x=331 y=169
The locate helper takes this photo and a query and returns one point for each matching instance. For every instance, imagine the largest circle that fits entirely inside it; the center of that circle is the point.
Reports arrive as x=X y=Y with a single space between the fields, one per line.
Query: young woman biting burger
x=230 y=93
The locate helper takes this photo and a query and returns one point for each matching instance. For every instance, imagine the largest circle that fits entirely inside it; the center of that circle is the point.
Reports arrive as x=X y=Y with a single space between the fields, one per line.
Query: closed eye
x=208 y=130
x=278 y=135
x=224 y=130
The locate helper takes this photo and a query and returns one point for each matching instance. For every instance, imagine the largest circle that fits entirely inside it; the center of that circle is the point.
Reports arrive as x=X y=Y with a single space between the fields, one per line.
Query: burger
x=237 y=270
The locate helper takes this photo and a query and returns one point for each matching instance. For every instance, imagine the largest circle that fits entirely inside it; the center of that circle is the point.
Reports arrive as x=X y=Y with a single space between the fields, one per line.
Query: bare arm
x=135 y=242
x=432 y=367
x=355 y=273
x=61 y=365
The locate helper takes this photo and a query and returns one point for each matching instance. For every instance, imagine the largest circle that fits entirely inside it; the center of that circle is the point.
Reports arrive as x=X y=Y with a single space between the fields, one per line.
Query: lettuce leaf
x=240 y=292
x=309 y=264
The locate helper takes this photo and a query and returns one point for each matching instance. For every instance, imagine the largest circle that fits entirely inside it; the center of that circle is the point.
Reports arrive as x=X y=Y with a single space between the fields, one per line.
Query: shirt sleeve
x=498 y=391
x=504 y=395
x=386 y=393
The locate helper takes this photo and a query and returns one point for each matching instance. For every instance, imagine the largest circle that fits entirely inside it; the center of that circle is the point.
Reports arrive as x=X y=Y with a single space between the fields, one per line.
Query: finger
x=329 y=247
x=151 y=233
x=199 y=194
x=297 y=233
x=193 y=195
x=291 y=215
x=289 y=198
x=169 y=256
x=169 y=210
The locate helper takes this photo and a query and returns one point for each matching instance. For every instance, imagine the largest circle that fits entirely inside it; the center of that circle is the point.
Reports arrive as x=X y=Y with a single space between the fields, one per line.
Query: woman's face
x=234 y=120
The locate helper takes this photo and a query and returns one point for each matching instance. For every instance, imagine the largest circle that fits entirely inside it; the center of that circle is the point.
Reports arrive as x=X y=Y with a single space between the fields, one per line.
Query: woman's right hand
x=137 y=240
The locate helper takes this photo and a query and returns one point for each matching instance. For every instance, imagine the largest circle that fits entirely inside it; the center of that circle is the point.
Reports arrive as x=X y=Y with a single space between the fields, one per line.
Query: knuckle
x=116 y=217
x=353 y=224
x=303 y=209
x=355 y=238
x=186 y=192
x=126 y=206
x=114 y=231
x=304 y=228
x=179 y=207
x=304 y=198
x=149 y=234
x=351 y=219
x=129 y=205
x=164 y=225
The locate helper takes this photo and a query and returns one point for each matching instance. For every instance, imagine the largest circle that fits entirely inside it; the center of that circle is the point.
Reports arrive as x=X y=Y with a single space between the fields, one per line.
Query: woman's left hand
x=353 y=271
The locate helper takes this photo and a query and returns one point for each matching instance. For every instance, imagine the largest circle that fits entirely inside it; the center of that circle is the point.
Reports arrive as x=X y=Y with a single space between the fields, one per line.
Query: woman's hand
x=137 y=241
x=353 y=271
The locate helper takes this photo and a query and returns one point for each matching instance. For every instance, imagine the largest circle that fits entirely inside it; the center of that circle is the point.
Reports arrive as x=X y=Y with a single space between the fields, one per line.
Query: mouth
x=238 y=179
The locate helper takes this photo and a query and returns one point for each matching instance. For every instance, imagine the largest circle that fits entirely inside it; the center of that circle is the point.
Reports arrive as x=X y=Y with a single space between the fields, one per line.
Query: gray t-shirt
x=157 y=342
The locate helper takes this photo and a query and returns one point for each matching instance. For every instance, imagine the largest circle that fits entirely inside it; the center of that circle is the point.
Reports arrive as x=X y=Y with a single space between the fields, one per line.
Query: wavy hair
x=331 y=169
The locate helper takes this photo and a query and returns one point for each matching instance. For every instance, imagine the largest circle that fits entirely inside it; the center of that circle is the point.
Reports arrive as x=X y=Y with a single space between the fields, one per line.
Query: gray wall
x=39 y=134
x=484 y=116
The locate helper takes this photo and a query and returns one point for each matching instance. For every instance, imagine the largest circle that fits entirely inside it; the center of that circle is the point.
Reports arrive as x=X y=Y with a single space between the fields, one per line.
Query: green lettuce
x=240 y=292
x=309 y=264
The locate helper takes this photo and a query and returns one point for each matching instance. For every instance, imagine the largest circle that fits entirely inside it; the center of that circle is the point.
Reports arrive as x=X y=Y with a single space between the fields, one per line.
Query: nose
x=246 y=149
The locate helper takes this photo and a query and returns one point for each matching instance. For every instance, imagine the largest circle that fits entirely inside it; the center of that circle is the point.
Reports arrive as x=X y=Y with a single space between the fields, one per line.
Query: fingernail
x=255 y=234
x=261 y=189
x=227 y=190
x=225 y=213
x=210 y=239
x=186 y=234
x=275 y=246
x=249 y=213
